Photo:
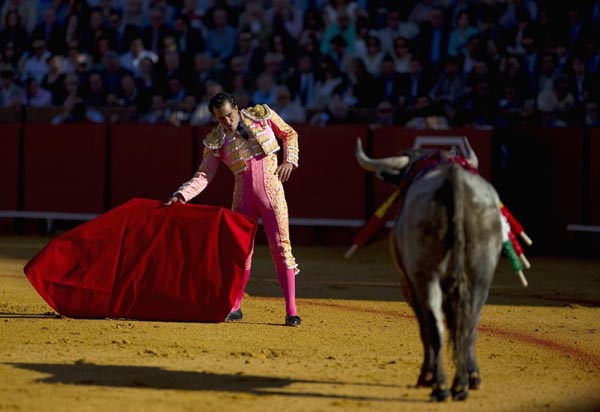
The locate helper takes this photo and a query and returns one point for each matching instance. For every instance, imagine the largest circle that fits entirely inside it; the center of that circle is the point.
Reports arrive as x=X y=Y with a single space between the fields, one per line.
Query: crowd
x=419 y=63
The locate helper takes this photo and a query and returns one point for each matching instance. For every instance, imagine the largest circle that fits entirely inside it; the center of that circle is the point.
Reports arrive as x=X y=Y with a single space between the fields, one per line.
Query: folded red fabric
x=144 y=261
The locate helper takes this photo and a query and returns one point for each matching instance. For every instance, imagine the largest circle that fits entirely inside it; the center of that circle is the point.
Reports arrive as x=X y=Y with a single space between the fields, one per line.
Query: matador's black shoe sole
x=235 y=315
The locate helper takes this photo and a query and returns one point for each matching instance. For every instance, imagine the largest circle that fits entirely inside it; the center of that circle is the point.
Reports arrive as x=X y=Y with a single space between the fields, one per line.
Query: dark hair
x=219 y=100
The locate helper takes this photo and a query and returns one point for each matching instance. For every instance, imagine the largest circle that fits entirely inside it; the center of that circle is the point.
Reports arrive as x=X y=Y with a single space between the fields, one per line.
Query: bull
x=446 y=241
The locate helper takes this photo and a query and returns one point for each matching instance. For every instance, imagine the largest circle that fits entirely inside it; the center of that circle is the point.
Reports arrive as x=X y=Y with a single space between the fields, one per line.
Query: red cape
x=143 y=261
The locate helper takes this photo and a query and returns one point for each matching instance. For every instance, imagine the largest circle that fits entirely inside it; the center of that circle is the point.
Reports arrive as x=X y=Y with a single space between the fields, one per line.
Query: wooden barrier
x=9 y=166
x=148 y=161
x=64 y=168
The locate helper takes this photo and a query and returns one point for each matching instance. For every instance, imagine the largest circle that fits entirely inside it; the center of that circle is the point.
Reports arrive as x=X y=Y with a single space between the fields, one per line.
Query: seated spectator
x=512 y=109
x=131 y=59
x=460 y=35
x=289 y=110
x=330 y=81
x=401 y=56
x=416 y=83
x=54 y=81
x=159 y=112
x=384 y=115
x=112 y=72
x=265 y=91
x=14 y=33
x=75 y=111
x=189 y=39
x=154 y=33
x=175 y=91
x=556 y=105
x=478 y=107
x=8 y=58
x=286 y=17
x=432 y=42
x=393 y=28
x=128 y=94
x=254 y=18
x=202 y=115
x=36 y=66
x=221 y=38
x=548 y=72
x=342 y=27
x=183 y=114
x=364 y=88
x=36 y=96
x=425 y=116
x=581 y=85
x=25 y=9
x=337 y=112
x=120 y=33
x=591 y=118
x=374 y=55
x=94 y=94
x=450 y=86
x=11 y=95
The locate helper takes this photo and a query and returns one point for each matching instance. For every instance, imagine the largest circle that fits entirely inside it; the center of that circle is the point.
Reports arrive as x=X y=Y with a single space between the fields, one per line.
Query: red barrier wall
x=64 y=168
x=148 y=161
x=329 y=183
x=594 y=187
x=388 y=141
x=9 y=166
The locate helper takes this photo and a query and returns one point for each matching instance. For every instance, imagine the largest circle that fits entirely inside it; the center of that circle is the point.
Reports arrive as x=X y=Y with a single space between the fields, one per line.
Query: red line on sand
x=562 y=348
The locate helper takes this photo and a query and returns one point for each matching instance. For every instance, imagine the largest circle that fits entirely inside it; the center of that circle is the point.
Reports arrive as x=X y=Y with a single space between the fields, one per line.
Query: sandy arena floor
x=358 y=348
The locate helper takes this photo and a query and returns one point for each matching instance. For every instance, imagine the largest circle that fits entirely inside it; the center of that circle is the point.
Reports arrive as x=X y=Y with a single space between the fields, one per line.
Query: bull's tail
x=458 y=312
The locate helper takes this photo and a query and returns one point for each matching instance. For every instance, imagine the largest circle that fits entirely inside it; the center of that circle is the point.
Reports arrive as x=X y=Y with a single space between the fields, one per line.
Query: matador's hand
x=284 y=171
x=174 y=199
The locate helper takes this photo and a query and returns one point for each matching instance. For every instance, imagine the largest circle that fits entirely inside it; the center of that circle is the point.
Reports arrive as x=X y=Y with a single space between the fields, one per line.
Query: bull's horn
x=471 y=156
x=388 y=164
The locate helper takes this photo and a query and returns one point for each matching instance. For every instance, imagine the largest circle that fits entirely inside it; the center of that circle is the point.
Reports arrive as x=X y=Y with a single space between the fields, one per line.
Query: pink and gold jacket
x=264 y=127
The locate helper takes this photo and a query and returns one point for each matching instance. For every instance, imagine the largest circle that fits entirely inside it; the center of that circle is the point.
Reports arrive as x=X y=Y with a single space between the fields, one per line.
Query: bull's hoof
x=474 y=380
x=440 y=393
x=460 y=393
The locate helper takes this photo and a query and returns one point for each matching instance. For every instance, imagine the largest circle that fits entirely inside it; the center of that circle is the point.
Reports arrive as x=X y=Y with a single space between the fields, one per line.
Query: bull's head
x=395 y=164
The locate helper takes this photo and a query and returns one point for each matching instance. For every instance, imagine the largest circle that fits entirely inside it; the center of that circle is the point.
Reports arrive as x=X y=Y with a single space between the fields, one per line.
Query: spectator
x=54 y=81
x=329 y=83
x=313 y=28
x=135 y=13
x=556 y=104
x=265 y=91
x=153 y=34
x=425 y=116
x=14 y=33
x=581 y=85
x=450 y=86
x=591 y=118
x=159 y=113
x=421 y=12
x=11 y=95
x=303 y=82
x=35 y=96
x=384 y=115
x=390 y=82
x=478 y=107
x=337 y=112
x=548 y=72
x=365 y=89
x=342 y=27
x=94 y=94
x=374 y=56
x=36 y=66
x=401 y=55
x=9 y=60
x=247 y=47
x=189 y=40
x=76 y=112
x=51 y=31
x=175 y=91
x=254 y=19
x=131 y=60
x=286 y=18
x=202 y=115
x=121 y=33
x=460 y=35
x=333 y=10
x=128 y=94
x=511 y=107
x=26 y=9
x=339 y=53
x=416 y=83
x=289 y=110
x=201 y=75
x=184 y=112
x=112 y=72
x=393 y=28
x=432 y=42
x=221 y=38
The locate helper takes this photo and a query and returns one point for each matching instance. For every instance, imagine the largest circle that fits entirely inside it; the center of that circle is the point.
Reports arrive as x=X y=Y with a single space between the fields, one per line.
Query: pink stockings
x=287 y=280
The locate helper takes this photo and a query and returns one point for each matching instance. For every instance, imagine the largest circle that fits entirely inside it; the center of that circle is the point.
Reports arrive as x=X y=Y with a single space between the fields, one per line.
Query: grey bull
x=446 y=241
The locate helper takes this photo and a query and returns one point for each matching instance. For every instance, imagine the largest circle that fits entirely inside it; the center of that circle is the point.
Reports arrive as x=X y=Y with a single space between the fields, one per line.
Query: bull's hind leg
x=435 y=327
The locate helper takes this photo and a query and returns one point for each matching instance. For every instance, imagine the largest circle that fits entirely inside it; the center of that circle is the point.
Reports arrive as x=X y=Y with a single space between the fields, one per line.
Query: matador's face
x=228 y=116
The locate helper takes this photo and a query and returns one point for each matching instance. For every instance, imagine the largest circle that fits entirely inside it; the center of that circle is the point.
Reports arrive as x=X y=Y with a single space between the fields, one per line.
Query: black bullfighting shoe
x=235 y=315
x=292 y=320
